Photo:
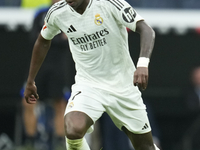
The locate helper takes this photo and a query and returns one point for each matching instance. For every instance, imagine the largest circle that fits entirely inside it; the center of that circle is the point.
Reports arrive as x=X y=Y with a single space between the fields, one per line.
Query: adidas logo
x=145 y=126
x=71 y=29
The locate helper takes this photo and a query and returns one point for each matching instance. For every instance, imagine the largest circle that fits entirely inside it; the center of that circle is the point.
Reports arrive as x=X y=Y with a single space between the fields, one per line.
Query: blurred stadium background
x=176 y=52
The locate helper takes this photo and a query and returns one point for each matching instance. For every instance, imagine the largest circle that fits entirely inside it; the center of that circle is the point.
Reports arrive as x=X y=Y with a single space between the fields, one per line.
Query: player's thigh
x=76 y=124
x=84 y=108
x=140 y=141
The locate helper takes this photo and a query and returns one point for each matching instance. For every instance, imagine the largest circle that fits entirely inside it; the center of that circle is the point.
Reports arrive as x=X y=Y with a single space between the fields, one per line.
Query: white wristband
x=143 y=62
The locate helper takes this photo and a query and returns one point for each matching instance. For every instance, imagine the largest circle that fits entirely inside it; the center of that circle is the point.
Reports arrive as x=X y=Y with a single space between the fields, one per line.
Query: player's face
x=78 y=5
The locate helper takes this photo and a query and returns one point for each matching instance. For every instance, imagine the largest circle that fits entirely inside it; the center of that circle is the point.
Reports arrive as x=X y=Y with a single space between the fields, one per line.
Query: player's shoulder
x=58 y=6
x=55 y=8
x=103 y=2
x=112 y=3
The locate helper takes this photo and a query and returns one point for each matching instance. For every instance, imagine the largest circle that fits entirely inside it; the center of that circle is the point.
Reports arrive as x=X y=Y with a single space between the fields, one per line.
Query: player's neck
x=82 y=7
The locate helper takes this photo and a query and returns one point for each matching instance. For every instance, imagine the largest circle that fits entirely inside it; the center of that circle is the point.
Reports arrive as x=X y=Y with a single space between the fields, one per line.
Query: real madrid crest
x=98 y=20
x=71 y=104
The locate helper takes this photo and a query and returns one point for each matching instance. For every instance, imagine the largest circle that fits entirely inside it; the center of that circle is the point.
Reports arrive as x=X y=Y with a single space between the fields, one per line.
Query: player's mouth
x=70 y=3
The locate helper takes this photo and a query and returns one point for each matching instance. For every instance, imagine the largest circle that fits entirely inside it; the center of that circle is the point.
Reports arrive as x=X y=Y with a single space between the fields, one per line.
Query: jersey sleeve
x=124 y=13
x=49 y=29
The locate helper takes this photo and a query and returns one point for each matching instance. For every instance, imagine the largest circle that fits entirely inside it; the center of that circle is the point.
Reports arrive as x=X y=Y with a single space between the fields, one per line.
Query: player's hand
x=30 y=93
x=141 y=76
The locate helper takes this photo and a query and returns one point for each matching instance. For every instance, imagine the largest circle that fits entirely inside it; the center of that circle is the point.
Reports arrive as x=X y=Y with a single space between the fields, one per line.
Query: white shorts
x=126 y=110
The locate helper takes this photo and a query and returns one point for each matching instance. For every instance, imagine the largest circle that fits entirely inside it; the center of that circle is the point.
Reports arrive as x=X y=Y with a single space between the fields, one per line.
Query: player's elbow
x=153 y=33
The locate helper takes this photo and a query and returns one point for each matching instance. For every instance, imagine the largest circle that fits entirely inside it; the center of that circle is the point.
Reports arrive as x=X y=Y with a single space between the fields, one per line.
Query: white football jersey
x=98 y=41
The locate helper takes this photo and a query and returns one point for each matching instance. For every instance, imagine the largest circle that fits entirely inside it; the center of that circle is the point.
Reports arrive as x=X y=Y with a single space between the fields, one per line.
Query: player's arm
x=40 y=50
x=147 y=37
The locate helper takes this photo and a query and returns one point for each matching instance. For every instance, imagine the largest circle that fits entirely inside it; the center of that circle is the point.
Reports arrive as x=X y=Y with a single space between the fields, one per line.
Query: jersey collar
x=88 y=6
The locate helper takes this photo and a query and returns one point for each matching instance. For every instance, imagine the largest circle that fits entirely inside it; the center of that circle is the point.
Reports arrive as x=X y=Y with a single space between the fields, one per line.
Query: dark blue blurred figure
x=192 y=95
x=9 y=3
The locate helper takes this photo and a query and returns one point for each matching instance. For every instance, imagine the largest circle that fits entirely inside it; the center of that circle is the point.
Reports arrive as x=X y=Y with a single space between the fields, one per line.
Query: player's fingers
x=140 y=82
x=135 y=82
x=32 y=99
x=144 y=87
x=35 y=95
x=144 y=83
x=26 y=97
